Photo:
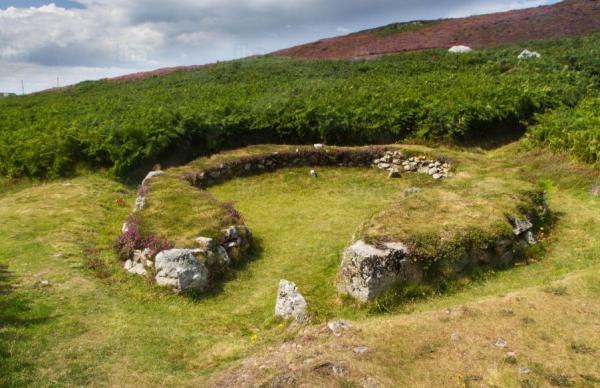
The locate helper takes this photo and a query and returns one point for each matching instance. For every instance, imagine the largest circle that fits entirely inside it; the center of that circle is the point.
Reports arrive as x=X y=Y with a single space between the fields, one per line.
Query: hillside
x=129 y=126
x=568 y=18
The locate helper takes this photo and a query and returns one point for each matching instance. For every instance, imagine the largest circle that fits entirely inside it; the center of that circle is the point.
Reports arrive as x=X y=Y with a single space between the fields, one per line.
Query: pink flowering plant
x=133 y=239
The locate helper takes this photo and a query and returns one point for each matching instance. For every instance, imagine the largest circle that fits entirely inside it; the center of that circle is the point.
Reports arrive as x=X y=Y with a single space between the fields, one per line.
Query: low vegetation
x=432 y=95
x=575 y=131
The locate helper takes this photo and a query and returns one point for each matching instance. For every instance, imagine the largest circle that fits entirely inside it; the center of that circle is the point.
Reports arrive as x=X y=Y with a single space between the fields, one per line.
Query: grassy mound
x=441 y=223
x=430 y=95
x=97 y=325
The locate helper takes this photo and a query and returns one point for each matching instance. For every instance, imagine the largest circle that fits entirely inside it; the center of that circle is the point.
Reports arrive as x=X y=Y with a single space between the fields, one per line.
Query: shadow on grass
x=15 y=317
x=255 y=253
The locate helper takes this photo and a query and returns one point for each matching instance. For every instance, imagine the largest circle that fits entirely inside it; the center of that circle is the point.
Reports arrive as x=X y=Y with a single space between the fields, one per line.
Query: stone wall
x=369 y=269
x=193 y=269
x=361 y=157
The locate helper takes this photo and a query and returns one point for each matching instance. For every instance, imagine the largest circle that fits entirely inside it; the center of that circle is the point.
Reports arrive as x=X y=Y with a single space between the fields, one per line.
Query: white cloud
x=106 y=37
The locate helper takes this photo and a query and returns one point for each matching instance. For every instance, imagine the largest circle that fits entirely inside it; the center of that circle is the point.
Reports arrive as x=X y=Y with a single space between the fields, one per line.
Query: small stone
x=437 y=176
x=523 y=370
x=338 y=370
x=318 y=146
x=337 y=326
x=432 y=171
x=596 y=191
x=384 y=166
x=360 y=349
x=394 y=173
x=370 y=382
x=412 y=190
x=520 y=226
x=313 y=173
x=128 y=264
x=140 y=202
x=205 y=242
x=44 y=283
x=510 y=358
x=530 y=238
x=455 y=337
x=501 y=343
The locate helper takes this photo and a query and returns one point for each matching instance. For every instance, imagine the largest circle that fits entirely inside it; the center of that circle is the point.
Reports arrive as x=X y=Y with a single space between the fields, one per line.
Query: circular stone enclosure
x=464 y=216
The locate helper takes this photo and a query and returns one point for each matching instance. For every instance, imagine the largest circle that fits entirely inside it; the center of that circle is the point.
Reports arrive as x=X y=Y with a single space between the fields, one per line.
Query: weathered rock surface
x=135 y=268
x=179 y=268
x=290 y=303
x=520 y=226
x=213 y=255
x=367 y=270
x=237 y=241
x=140 y=203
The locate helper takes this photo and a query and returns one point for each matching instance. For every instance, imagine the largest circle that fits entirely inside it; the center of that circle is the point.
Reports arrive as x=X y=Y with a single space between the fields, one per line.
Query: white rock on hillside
x=151 y=175
x=529 y=54
x=290 y=303
x=179 y=268
x=460 y=49
x=367 y=270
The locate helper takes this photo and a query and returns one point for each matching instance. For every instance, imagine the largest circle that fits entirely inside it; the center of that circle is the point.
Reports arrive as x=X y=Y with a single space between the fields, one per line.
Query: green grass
x=96 y=325
x=302 y=224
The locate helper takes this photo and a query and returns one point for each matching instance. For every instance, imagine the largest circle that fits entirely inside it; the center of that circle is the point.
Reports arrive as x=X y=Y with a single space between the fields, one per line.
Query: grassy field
x=96 y=325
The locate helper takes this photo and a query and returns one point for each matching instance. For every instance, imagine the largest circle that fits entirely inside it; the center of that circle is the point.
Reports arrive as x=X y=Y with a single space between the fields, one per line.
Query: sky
x=46 y=43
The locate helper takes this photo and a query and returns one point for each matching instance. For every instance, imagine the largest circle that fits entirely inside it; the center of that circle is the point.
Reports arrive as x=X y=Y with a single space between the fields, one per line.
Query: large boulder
x=290 y=303
x=369 y=270
x=181 y=270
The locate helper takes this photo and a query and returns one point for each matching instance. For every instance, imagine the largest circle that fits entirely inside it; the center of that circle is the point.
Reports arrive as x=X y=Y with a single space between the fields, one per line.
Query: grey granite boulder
x=369 y=270
x=290 y=303
x=520 y=226
x=181 y=270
